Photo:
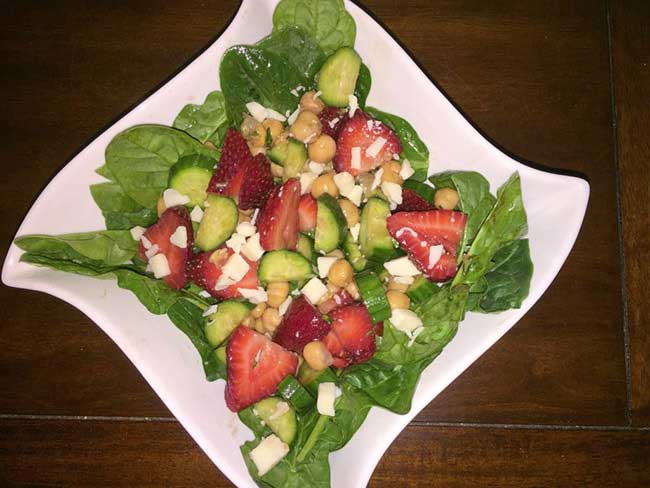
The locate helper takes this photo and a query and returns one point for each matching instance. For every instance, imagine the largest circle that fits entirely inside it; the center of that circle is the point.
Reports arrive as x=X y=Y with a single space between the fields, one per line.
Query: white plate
x=555 y=205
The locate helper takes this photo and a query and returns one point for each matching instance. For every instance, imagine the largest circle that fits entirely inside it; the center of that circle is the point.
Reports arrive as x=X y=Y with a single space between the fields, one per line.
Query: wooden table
x=561 y=400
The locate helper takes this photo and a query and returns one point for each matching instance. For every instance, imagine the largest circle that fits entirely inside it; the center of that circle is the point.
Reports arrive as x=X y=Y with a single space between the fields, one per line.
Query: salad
x=291 y=232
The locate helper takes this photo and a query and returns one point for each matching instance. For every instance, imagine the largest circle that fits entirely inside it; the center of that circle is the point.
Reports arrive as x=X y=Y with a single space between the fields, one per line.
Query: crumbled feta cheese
x=160 y=266
x=406 y=170
x=210 y=310
x=401 y=267
x=254 y=295
x=284 y=306
x=404 y=280
x=256 y=212
x=377 y=181
x=293 y=116
x=332 y=123
x=326 y=399
x=179 y=237
x=137 y=232
x=317 y=94
x=146 y=243
x=272 y=114
x=196 y=214
x=405 y=320
x=294 y=92
x=204 y=294
x=314 y=290
x=354 y=230
x=268 y=453
x=236 y=242
x=369 y=124
x=355 y=195
x=355 y=155
x=280 y=409
x=245 y=229
x=316 y=168
x=306 y=180
x=223 y=282
x=377 y=145
x=354 y=105
x=152 y=251
x=235 y=267
x=257 y=110
x=345 y=182
x=401 y=232
x=435 y=252
x=396 y=157
x=172 y=198
x=324 y=265
x=394 y=193
x=252 y=249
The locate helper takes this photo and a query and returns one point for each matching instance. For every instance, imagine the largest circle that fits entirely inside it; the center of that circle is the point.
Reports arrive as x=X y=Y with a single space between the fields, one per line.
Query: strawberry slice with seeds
x=278 y=221
x=257 y=183
x=331 y=119
x=302 y=324
x=413 y=202
x=234 y=156
x=159 y=235
x=205 y=268
x=307 y=211
x=256 y=366
x=352 y=338
x=364 y=134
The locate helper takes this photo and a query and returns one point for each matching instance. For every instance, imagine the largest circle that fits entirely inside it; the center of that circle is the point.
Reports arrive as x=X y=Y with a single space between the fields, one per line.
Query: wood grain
x=631 y=61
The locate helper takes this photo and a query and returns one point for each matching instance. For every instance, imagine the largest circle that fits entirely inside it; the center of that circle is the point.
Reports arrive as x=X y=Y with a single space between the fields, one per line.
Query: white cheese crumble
x=284 y=306
x=314 y=290
x=377 y=181
x=324 y=264
x=345 y=182
x=280 y=409
x=332 y=123
x=223 y=282
x=355 y=155
x=406 y=171
x=354 y=105
x=306 y=180
x=268 y=453
x=257 y=110
x=354 y=230
x=160 y=266
x=196 y=214
x=245 y=229
x=435 y=252
x=254 y=295
x=253 y=249
x=145 y=242
x=137 y=232
x=401 y=267
x=316 y=168
x=394 y=193
x=236 y=242
x=204 y=294
x=210 y=310
x=179 y=237
x=326 y=399
x=377 y=145
x=152 y=251
x=405 y=320
x=235 y=267
x=172 y=198
x=272 y=114
x=293 y=116
x=355 y=195
x=404 y=280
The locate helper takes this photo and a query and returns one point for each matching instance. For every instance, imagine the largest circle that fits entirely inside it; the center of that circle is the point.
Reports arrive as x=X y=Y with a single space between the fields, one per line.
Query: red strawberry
x=256 y=366
x=278 y=221
x=340 y=299
x=361 y=131
x=413 y=202
x=177 y=258
x=206 y=268
x=352 y=338
x=331 y=119
x=257 y=183
x=417 y=232
x=301 y=324
x=307 y=210
x=234 y=155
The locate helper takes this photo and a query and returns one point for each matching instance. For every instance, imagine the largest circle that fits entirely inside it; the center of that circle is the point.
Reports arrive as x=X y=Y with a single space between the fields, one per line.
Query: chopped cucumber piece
x=330 y=224
x=425 y=191
x=190 y=177
x=292 y=155
x=374 y=240
x=283 y=425
x=373 y=296
x=221 y=354
x=338 y=77
x=296 y=394
x=305 y=246
x=278 y=153
x=421 y=290
x=221 y=323
x=218 y=223
x=284 y=266
x=353 y=253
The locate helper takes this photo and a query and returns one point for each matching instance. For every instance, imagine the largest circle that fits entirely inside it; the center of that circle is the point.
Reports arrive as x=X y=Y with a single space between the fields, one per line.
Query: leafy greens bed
x=494 y=263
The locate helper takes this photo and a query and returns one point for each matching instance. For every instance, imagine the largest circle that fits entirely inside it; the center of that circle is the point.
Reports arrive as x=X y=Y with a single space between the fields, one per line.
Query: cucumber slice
x=278 y=153
x=374 y=240
x=338 y=77
x=373 y=296
x=330 y=224
x=190 y=177
x=296 y=394
x=284 y=425
x=305 y=246
x=221 y=323
x=292 y=155
x=421 y=290
x=218 y=223
x=353 y=253
x=425 y=191
x=284 y=266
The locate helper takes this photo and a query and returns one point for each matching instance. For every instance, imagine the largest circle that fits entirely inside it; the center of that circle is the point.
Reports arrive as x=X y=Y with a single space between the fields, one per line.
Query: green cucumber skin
x=285 y=426
x=284 y=265
x=305 y=246
x=375 y=242
x=330 y=224
x=218 y=223
x=337 y=78
x=353 y=254
x=190 y=176
x=221 y=323
x=421 y=290
x=298 y=397
x=374 y=296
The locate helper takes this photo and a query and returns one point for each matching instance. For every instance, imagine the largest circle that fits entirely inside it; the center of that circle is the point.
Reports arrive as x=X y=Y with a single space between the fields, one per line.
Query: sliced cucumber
x=278 y=153
x=373 y=296
x=284 y=266
x=292 y=155
x=284 y=425
x=353 y=253
x=425 y=191
x=421 y=290
x=338 y=77
x=330 y=224
x=305 y=246
x=221 y=323
x=190 y=177
x=374 y=240
x=296 y=394
x=218 y=223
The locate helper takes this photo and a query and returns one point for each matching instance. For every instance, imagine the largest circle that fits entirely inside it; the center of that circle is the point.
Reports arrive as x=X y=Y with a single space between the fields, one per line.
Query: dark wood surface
x=562 y=400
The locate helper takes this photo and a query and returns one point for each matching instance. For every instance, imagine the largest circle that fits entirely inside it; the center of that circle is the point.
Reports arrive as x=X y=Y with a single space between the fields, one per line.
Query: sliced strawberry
x=352 y=338
x=278 y=221
x=361 y=132
x=413 y=202
x=331 y=119
x=256 y=366
x=257 y=183
x=206 y=268
x=177 y=258
x=307 y=210
x=302 y=323
x=234 y=155
x=340 y=299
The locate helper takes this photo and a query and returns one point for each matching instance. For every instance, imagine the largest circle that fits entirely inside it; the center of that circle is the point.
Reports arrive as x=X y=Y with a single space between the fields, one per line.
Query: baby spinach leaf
x=249 y=73
x=362 y=88
x=327 y=20
x=413 y=148
x=120 y=211
x=105 y=172
x=205 y=122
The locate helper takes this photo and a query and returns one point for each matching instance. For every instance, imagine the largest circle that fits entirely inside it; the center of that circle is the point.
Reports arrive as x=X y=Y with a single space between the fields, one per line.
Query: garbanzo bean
x=397 y=299
x=324 y=184
x=350 y=211
x=322 y=149
x=340 y=273
x=317 y=355
x=310 y=103
x=306 y=127
x=446 y=198
x=277 y=292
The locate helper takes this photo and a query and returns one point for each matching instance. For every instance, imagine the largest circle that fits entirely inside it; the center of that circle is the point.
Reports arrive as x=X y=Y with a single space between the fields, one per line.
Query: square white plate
x=555 y=205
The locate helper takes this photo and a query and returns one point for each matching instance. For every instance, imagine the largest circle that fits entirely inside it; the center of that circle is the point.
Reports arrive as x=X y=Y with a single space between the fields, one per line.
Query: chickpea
x=350 y=211
x=257 y=137
x=271 y=319
x=397 y=299
x=160 y=206
x=257 y=312
x=277 y=170
x=248 y=322
x=306 y=127
x=324 y=184
x=281 y=138
x=255 y=150
x=391 y=172
x=248 y=126
x=259 y=326
x=397 y=286
x=353 y=290
x=274 y=127
x=317 y=355
x=311 y=103
x=322 y=149
x=340 y=274
x=277 y=292
x=446 y=198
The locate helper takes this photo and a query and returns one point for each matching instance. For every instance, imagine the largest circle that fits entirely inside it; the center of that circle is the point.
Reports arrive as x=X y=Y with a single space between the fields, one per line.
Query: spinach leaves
x=120 y=211
x=298 y=48
x=205 y=122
